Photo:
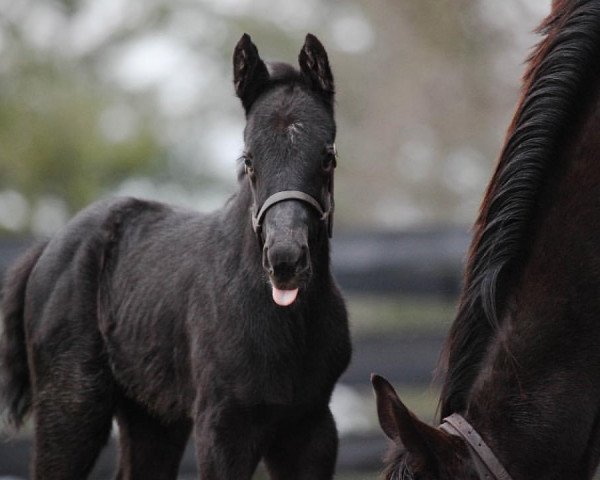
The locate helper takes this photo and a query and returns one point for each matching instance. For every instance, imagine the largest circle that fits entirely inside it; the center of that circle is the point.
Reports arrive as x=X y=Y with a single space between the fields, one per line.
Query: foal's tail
x=15 y=387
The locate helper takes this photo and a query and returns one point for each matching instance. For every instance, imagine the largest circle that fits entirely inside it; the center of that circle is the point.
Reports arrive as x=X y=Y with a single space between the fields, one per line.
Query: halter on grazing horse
x=522 y=360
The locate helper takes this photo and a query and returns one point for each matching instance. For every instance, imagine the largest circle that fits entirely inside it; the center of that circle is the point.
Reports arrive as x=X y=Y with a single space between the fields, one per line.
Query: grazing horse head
x=289 y=159
x=421 y=452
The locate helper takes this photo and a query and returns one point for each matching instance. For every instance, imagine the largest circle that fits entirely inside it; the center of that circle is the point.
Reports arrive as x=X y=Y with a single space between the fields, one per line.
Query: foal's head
x=420 y=452
x=289 y=150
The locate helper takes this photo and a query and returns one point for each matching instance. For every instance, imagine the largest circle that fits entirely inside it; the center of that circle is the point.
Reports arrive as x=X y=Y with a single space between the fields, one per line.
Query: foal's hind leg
x=150 y=449
x=73 y=416
x=305 y=449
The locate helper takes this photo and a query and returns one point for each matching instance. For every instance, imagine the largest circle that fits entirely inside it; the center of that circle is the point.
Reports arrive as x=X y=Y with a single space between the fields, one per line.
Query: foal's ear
x=314 y=66
x=402 y=426
x=250 y=74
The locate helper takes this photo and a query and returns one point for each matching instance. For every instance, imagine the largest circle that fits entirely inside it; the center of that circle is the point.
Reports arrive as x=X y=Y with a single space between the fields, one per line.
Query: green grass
x=422 y=400
x=378 y=314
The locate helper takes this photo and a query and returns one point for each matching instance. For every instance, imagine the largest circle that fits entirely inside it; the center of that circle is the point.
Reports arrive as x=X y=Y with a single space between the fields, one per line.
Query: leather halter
x=325 y=214
x=487 y=464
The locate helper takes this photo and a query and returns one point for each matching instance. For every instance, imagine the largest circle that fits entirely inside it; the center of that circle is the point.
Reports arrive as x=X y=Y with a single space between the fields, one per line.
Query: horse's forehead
x=284 y=120
x=291 y=111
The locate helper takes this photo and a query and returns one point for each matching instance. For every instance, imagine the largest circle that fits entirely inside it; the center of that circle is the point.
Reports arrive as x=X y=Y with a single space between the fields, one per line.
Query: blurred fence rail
x=422 y=262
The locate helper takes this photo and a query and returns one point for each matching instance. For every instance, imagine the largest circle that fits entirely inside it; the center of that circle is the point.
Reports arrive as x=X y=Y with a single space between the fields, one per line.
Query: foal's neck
x=237 y=225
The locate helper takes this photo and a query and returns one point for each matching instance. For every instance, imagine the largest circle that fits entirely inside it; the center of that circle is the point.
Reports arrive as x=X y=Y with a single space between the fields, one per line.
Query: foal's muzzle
x=286 y=263
x=285 y=253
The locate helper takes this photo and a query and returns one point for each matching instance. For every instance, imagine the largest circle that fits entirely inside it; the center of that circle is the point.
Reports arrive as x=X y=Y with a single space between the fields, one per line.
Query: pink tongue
x=284 y=297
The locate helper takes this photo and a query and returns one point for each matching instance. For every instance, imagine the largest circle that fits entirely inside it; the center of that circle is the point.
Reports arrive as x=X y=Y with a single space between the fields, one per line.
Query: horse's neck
x=238 y=235
x=536 y=395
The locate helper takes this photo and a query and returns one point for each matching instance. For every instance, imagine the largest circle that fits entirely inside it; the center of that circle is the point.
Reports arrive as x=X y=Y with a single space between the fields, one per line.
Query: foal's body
x=264 y=360
x=163 y=317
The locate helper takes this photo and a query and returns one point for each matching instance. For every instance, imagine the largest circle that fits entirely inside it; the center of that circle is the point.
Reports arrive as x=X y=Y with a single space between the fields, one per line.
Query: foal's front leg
x=227 y=443
x=305 y=449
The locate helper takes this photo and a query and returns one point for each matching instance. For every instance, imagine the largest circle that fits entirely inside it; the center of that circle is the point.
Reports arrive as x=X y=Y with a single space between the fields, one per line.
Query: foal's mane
x=554 y=90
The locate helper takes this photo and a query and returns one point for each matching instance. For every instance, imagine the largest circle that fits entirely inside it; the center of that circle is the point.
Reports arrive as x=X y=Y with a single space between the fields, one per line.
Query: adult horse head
x=522 y=361
x=289 y=159
x=421 y=452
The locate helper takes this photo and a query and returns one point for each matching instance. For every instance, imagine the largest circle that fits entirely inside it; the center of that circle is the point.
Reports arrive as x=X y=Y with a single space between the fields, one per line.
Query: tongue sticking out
x=284 y=298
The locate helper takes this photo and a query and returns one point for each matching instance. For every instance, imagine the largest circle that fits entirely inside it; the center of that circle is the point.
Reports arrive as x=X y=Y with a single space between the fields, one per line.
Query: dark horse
x=166 y=319
x=521 y=390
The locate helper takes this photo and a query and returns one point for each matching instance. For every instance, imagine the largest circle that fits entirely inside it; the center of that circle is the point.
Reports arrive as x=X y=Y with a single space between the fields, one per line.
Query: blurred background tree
x=135 y=97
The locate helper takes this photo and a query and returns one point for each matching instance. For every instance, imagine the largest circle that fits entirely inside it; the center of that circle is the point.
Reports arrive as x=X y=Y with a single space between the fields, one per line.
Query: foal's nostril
x=285 y=262
x=266 y=262
x=303 y=262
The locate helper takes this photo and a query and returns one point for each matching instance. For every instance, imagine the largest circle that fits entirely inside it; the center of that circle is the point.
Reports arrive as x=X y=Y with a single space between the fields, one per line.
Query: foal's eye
x=248 y=165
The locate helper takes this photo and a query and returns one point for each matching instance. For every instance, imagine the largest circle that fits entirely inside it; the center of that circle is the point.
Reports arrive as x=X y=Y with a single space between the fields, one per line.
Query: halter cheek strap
x=487 y=464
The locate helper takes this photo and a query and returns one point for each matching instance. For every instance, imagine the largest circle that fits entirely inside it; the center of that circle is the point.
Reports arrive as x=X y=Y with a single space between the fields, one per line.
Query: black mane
x=555 y=87
x=281 y=72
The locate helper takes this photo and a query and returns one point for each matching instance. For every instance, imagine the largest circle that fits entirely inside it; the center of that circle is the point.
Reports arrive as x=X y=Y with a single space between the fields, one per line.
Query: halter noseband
x=486 y=463
x=325 y=214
